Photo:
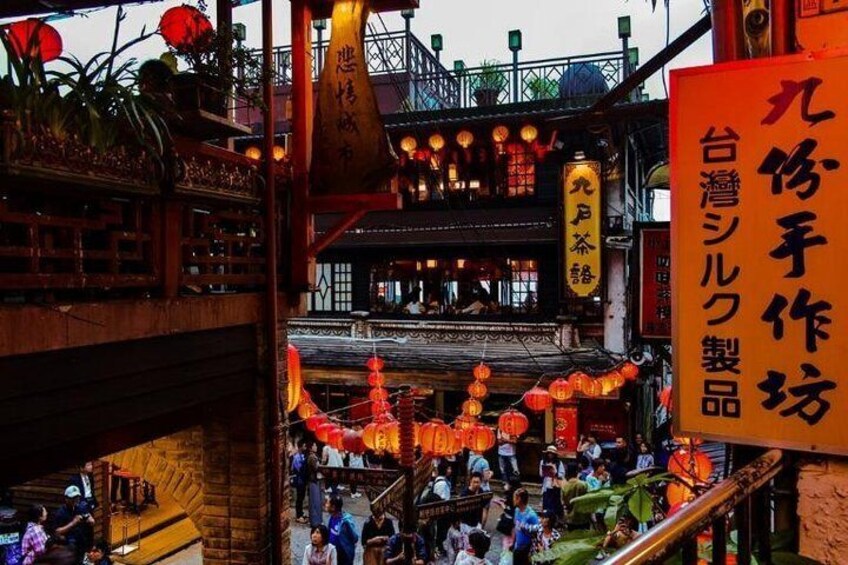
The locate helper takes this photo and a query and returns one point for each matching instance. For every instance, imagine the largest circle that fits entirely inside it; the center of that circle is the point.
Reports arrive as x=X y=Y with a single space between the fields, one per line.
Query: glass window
x=333 y=288
x=525 y=287
x=520 y=170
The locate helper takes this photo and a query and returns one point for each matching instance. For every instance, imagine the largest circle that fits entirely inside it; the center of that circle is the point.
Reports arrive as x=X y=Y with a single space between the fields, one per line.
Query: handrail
x=666 y=538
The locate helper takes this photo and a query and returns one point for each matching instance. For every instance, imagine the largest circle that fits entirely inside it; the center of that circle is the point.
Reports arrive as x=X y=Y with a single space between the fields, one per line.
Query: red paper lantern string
x=186 y=29
x=35 y=39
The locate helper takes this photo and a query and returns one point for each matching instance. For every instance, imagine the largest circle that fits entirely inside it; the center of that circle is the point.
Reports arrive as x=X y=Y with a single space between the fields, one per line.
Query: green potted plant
x=541 y=88
x=487 y=83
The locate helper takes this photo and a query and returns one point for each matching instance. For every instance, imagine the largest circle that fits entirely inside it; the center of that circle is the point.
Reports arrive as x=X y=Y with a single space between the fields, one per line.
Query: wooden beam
x=331 y=235
x=381 y=201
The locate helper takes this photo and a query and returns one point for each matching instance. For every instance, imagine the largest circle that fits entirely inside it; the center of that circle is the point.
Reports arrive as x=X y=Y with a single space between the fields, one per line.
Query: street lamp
x=436 y=44
x=624 y=27
x=320 y=26
x=624 y=31
x=515 y=45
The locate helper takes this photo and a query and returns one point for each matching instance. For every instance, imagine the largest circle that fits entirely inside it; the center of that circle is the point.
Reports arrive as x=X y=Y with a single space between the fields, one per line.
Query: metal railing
x=576 y=81
x=680 y=531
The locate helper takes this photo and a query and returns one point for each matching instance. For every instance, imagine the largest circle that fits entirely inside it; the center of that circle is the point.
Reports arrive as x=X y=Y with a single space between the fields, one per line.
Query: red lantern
x=35 y=39
x=629 y=371
x=306 y=409
x=322 y=432
x=617 y=378
x=314 y=421
x=472 y=407
x=477 y=390
x=677 y=493
x=437 y=438
x=336 y=438
x=537 y=399
x=375 y=364
x=464 y=422
x=352 y=441
x=592 y=388
x=376 y=379
x=378 y=394
x=457 y=444
x=607 y=384
x=295 y=379
x=479 y=438
x=665 y=398
x=578 y=380
x=380 y=407
x=392 y=430
x=690 y=465
x=375 y=437
x=690 y=443
x=513 y=423
x=482 y=372
x=185 y=28
x=560 y=390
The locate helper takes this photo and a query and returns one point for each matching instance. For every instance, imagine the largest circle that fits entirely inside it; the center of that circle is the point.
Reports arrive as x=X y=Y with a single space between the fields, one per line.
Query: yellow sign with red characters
x=760 y=252
x=582 y=233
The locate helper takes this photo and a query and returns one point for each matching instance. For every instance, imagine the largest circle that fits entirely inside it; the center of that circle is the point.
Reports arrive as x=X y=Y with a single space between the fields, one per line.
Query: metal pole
x=728 y=39
x=407 y=45
x=272 y=331
x=406 y=415
x=515 y=88
x=625 y=60
x=320 y=50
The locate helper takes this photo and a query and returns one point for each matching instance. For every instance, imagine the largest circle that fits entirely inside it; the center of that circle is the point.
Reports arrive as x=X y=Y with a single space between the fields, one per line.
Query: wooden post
x=406 y=415
x=782 y=15
x=171 y=251
x=302 y=116
x=728 y=39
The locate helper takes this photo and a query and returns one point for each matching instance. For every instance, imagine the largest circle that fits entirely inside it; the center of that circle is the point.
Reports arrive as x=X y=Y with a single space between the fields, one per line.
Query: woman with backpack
x=299 y=480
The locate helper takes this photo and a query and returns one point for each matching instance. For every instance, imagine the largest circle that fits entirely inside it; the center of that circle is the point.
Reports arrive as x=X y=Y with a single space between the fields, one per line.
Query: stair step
x=162 y=543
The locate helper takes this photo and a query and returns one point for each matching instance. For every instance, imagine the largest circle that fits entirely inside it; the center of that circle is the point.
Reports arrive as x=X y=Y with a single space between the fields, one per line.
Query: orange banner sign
x=759 y=240
x=582 y=228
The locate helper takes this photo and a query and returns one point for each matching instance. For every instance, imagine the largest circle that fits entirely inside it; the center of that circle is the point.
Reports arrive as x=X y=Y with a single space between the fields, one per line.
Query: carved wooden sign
x=352 y=151
x=391 y=499
x=377 y=478
x=454 y=506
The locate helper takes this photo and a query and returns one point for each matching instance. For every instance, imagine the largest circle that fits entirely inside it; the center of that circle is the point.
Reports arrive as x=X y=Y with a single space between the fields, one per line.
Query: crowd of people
x=67 y=536
x=465 y=539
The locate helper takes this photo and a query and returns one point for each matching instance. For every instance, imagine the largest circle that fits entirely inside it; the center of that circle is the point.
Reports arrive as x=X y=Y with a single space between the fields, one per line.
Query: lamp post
x=437 y=44
x=515 y=46
x=624 y=34
x=407 y=15
x=459 y=72
x=240 y=36
x=320 y=26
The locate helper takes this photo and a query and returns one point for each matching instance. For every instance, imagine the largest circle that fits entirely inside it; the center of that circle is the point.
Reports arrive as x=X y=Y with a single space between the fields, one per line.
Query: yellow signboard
x=582 y=221
x=760 y=252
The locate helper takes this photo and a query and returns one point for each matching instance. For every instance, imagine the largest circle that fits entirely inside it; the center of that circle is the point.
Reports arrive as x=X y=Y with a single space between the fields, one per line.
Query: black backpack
x=429 y=495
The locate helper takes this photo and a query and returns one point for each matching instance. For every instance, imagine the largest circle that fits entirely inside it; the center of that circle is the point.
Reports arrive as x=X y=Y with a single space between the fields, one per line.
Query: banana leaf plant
x=637 y=498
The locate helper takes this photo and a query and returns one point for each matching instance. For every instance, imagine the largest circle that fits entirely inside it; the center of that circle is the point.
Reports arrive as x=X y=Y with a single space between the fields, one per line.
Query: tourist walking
x=343 y=534
x=355 y=461
x=320 y=551
x=525 y=519
x=507 y=463
x=316 y=498
x=551 y=471
x=299 y=480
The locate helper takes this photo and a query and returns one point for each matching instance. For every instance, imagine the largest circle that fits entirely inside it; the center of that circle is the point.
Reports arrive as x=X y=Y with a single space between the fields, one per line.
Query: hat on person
x=552 y=449
x=72 y=492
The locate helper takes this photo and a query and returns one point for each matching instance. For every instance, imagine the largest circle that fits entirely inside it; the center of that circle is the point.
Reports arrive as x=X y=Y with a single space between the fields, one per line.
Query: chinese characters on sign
x=759 y=238
x=565 y=429
x=582 y=233
x=655 y=282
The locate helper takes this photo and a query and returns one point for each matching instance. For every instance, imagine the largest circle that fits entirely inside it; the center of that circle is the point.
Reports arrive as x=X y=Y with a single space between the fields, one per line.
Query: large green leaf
x=614 y=510
x=592 y=502
x=641 y=504
x=575 y=548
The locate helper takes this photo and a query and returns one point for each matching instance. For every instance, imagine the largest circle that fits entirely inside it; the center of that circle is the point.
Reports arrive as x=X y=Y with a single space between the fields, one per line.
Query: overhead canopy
x=658 y=177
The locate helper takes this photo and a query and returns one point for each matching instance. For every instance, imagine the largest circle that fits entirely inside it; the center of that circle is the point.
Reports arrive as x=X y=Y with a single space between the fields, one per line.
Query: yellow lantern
x=529 y=133
x=279 y=153
x=437 y=142
x=500 y=134
x=465 y=138
x=253 y=152
x=409 y=144
x=472 y=407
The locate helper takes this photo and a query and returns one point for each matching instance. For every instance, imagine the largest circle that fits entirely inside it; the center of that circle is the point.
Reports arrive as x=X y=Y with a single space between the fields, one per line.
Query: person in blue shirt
x=394 y=550
x=525 y=520
x=343 y=534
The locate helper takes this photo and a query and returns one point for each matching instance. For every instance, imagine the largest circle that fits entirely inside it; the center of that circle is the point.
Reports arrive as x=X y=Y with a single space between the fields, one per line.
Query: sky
x=473 y=30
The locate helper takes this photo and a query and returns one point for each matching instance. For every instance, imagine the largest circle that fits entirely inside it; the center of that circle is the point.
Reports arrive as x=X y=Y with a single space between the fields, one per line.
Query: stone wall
x=823 y=510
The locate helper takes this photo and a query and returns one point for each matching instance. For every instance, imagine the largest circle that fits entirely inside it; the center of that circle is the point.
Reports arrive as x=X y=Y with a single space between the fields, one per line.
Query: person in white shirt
x=507 y=462
x=332 y=457
x=588 y=447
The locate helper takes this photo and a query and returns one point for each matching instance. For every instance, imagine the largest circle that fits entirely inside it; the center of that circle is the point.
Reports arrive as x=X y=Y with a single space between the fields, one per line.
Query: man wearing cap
x=73 y=521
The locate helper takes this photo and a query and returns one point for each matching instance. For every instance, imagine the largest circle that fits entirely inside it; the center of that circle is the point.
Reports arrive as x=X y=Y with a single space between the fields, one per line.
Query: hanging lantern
x=279 y=153
x=482 y=372
x=629 y=371
x=465 y=138
x=688 y=442
x=335 y=437
x=607 y=385
x=436 y=142
x=437 y=438
x=253 y=152
x=322 y=432
x=392 y=430
x=617 y=378
x=376 y=379
x=677 y=493
x=465 y=422
x=472 y=407
x=375 y=364
x=316 y=420
x=512 y=422
x=560 y=390
x=578 y=379
x=665 y=398
x=593 y=388
x=295 y=380
x=378 y=394
x=34 y=38
x=537 y=399
x=500 y=134
x=380 y=407
x=477 y=390
x=529 y=133
x=306 y=409
x=374 y=436
x=479 y=438
x=352 y=441
x=186 y=29
x=408 y=144
x=690 y=465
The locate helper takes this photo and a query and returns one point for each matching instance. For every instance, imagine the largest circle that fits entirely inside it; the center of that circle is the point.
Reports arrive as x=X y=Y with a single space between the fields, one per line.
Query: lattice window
x=524 y=287
x=520 y=170
x=333 y=288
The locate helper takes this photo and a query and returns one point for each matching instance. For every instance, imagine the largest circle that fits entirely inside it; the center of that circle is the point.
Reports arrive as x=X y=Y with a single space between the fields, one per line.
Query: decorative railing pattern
x=207 y=171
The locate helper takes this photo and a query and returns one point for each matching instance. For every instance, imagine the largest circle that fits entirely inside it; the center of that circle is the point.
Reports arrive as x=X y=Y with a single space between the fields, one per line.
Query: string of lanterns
x=437 y=437
x=464 y=138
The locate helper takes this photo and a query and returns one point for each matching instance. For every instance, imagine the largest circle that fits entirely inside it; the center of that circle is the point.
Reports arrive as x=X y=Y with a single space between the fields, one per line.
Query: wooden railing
x=734 y=496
